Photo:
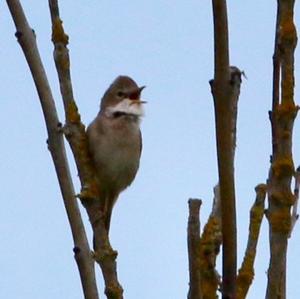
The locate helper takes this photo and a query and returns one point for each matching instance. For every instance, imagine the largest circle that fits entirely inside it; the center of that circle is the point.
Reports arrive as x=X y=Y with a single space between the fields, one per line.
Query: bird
x=115 y=140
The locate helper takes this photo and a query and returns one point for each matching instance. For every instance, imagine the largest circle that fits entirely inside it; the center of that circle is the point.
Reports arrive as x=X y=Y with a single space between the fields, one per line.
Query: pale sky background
x=168 y=46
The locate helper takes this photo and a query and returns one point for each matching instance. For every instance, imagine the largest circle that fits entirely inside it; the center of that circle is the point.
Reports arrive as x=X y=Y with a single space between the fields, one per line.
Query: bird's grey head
x=123 y=87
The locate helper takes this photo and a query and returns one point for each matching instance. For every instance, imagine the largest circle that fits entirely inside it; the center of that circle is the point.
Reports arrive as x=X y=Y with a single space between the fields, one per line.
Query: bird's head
x=123 y=96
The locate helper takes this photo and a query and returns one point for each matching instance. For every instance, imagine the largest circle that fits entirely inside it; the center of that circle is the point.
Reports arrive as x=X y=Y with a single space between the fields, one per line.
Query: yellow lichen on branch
x=246 y=272
x=283 y=198
x=287 y=110
x=75 y=133
x=72 y=114
x=287 y=44
x=210 y=242
x=283 y=167
x=287 y=31
x=58 y=33
x=280 y=221
x=245 y=276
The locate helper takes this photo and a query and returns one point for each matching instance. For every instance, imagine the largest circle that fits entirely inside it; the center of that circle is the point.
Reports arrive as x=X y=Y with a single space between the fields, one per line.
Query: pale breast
x=115 y=146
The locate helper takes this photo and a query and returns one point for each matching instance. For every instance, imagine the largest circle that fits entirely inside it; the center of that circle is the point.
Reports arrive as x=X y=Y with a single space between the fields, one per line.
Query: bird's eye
x=121 y=94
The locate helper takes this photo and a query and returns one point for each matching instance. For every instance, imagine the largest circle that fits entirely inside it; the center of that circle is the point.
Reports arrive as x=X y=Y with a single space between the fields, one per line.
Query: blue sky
x=167 y=46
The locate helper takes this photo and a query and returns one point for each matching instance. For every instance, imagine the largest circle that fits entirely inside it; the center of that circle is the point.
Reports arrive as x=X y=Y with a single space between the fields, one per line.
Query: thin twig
x=246 y=272
x=26 y=38
x=195 y=291
x=74 y=130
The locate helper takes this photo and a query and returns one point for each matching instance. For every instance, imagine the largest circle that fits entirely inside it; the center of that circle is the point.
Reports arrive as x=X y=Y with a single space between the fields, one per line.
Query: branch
x=221 y=40
x=195 y=291
x=276 y=81
x=210 y=242
x=224 y=89
x=26 y=39
x=74 y=130
x=280 y=196
x=246 y=272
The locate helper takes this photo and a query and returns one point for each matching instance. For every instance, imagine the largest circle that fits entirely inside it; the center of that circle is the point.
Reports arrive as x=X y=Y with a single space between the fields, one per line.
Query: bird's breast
x=117 y=153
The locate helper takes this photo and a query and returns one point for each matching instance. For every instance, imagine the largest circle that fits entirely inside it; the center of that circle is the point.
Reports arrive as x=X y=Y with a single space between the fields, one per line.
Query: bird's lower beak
x=137 y=102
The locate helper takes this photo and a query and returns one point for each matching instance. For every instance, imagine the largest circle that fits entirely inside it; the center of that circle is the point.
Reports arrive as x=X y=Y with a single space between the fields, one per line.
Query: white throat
x=126 y=106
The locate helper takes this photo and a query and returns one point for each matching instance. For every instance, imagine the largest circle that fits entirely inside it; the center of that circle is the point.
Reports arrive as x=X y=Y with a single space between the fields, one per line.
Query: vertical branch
x=221 y=41
x=246 y=272
x=280 y=196
x=276 y=81
x=195 y=291
x=224 y=88
x=74 y=130
x=26 y=38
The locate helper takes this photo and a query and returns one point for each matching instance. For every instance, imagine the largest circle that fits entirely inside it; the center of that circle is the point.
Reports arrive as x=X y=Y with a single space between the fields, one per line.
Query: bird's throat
x=125 y=107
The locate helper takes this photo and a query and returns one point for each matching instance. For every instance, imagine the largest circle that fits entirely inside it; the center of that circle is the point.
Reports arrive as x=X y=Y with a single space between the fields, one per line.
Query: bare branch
x=195 y=291
x=225 y=93
x=276 y=81
x=104 y=255
x=74 y=130
x=282 y=170
x=221 y=40
x=246 y=272
x=26 y=38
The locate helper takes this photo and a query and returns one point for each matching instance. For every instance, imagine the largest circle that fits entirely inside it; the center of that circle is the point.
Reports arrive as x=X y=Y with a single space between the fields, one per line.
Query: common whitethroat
x=115 y=140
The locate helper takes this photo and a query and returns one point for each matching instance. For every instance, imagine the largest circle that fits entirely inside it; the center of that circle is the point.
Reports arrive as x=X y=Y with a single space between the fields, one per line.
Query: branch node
x=114 y=291
x=60 y=128
x=88 y=193
x=18 y=35
x=103 y=254
x=76 y=250
x=67 y=132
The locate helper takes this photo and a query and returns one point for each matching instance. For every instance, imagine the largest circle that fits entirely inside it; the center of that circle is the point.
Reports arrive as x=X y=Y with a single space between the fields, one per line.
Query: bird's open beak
x=135 y=95
x=140 y=90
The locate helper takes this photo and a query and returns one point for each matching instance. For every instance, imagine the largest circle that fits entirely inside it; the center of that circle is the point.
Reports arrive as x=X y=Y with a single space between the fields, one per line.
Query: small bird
x=115 y=141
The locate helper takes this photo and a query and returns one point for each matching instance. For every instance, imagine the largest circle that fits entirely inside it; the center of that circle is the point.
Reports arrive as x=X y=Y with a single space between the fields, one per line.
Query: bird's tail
x=109 y=204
